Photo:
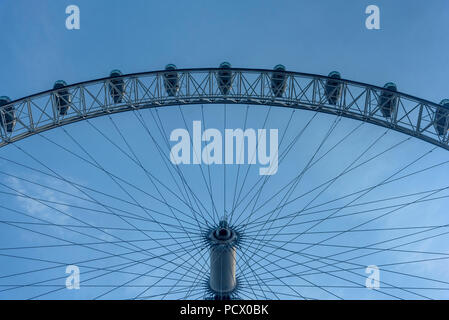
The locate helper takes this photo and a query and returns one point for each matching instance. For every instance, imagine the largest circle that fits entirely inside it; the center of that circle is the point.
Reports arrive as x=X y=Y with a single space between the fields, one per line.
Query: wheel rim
x=287 y=247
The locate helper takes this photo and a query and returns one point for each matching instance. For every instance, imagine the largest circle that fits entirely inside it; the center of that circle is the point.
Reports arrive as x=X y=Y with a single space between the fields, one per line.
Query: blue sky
x=134 y=36
x=308 y=36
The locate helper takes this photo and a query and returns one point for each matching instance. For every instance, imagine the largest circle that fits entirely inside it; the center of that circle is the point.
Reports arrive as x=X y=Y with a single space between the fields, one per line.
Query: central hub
x=223 y=234
x=223 y=240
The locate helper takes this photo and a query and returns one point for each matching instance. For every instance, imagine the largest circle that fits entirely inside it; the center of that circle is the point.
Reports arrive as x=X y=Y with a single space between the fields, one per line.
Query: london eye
x=357 y=183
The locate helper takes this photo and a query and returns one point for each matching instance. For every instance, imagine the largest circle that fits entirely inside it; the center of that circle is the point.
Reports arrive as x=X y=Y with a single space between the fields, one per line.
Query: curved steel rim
x=417 y=120
x=254 y=70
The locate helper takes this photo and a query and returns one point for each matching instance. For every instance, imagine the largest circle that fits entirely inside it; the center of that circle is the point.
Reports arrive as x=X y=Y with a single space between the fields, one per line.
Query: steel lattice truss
x=40 y=112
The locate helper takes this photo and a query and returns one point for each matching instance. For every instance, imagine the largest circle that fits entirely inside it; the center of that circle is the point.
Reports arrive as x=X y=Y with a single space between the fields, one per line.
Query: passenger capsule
x=278 y=81
x=333 y=87
x=441 y=120
x=225 y=78
x=171 y=80
x=7 y=114
x=63 y=98
x=116 y=86
x=388 y=99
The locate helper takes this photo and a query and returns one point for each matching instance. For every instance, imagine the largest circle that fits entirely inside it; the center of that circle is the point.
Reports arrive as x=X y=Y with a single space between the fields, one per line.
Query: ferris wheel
x=224 y=183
